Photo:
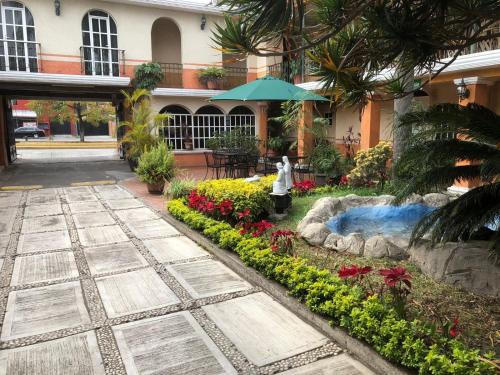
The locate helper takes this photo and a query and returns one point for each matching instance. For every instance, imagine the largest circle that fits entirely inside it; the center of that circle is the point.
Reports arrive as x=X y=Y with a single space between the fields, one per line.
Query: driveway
x=95 y=282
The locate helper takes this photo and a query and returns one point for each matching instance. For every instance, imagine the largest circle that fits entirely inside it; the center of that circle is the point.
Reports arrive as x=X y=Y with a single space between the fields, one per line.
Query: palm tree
x=443 y=136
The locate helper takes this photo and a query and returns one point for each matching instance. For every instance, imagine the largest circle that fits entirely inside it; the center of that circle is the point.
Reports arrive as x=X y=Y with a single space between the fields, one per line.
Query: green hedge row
x=411 y=344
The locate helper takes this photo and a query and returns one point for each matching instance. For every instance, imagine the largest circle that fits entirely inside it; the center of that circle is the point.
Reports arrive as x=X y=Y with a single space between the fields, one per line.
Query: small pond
x=374 y=220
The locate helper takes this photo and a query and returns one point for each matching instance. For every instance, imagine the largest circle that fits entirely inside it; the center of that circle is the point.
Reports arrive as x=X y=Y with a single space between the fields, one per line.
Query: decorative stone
x=46 y=309
x=112 y=258
x=436 y=199
x=152 y=229
x=380 y=247
x=315 y=233
x=322 y=210
x=44 y=224
x=123 y=204
x=101 y=235
x=36 y=242
x=77 y=354
x=44 y=267
x=81 y=207
x=262 y=329
x=93 y=219
x=353 y=243
x=338 y=365
x=133 y=292
x=173 y=249
x=414 y=199
x=332 y=242
x=207 y=278
x=136 y=214
x=43 y=210
x=176 y=345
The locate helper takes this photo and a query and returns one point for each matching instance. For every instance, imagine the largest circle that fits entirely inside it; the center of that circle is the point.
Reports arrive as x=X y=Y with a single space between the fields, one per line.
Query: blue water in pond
x=373 y=220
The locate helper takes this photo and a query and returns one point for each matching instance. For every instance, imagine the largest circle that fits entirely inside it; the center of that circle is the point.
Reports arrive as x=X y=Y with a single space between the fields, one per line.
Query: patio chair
x=302 y=169
x=213 y=162
x=266 y=166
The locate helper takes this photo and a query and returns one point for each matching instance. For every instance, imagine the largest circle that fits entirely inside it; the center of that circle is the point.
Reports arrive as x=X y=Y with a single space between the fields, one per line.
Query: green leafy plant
x=211 y=74
x=142 y=129
x=326 y=160
x=180 y=188
x=235 y=139
x=148 y=76
x=156 y=165
x=371 y=166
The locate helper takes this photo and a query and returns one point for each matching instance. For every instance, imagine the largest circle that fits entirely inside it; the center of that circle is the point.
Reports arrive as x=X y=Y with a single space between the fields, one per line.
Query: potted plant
x=212 y=77
x=141 y=131
x=326 y=162
x=187 y=139
x=148 y=76
x=155 y=167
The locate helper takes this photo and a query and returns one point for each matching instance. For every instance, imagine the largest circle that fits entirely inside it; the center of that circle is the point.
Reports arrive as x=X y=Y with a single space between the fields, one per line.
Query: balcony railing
x=102 y=61
x=172 y=75
x=291 y=71
x=234 y=77
x=282 y=70
x=484 y=45
x=18 y=56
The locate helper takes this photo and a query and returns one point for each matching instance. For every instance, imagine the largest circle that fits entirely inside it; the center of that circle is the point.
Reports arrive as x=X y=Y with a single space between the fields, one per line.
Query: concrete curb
x=358 y=349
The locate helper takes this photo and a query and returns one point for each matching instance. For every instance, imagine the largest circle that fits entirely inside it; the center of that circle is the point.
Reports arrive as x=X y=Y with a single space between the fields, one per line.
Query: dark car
x=29 y=131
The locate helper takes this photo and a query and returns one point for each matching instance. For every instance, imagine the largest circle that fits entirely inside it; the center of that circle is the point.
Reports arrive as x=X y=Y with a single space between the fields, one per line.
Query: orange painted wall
x=185 y=160
x=190 y=79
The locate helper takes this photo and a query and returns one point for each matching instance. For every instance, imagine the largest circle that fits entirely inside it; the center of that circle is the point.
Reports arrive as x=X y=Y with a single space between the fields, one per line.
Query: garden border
x=360 y=350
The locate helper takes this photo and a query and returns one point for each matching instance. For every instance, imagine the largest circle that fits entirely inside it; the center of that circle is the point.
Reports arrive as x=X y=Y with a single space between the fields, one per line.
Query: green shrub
x=371 y=166
x=327 y=160
x=148 y=76
x=156 y=165
x=180 y=188
x=410 y=344
x=211 y=73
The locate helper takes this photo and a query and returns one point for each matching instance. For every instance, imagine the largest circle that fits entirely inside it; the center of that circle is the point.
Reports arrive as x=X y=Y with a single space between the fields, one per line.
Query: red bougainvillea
x=281 y=241
x=303 y=187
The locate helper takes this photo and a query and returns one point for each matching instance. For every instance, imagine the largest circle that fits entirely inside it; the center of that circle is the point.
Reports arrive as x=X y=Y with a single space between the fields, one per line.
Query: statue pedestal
x=282 y=201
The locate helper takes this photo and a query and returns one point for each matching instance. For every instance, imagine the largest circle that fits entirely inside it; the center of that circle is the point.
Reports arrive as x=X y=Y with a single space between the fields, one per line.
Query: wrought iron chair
x=214 y=162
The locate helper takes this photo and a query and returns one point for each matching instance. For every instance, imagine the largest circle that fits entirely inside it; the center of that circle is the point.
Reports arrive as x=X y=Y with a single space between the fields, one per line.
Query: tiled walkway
x=94 y=282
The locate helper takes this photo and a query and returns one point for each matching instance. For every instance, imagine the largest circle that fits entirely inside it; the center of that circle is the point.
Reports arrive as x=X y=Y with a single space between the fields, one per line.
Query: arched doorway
x=208 y=122
x=167 y=51
x=178 y=133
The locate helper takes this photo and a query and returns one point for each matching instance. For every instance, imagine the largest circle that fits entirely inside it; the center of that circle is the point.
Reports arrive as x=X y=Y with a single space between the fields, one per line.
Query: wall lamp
x=57 y=7
x=203 y=22
x=462 y=90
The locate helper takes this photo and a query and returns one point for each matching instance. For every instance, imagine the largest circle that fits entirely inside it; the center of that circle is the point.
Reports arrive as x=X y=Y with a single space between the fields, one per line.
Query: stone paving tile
x=93 y=219
x=207 y=278
x=44 y=267
x=77 y=190
x=151 y=229
x=174 y=249
x=77 y=355
x=339 y=365
x=262 y=329
x=4 y=242
x=42 y=199
x=10 y=200
x=177 y=345
x=57 y=306
x=112 y=258
x=45 y=241
x=1 y=263
x=111 y=187
x=123 y=204
x=43 y=210
x=81 y=207
x=7 y=216
x=80 y=197
x=133 y=292
x=44 y=224
x=136 y=214
x=118 y=194
x=101 y=235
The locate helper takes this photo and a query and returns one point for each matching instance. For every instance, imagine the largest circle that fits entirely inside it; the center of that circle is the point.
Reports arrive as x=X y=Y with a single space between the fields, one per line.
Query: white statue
x=287 y=168
x=279 y=185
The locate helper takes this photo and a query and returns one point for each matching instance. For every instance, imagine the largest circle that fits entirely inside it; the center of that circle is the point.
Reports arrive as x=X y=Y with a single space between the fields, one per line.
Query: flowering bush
x=282 y=241
x=255 y=229
x=303 y=187
x=371 y=166
x=202 y=204
x=398 y=281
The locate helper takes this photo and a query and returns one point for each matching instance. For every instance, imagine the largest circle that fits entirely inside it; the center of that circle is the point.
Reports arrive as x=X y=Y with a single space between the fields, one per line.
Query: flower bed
x=369 y=317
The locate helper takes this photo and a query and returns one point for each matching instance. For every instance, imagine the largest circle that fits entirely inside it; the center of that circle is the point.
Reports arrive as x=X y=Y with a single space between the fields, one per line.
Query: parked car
x=29 y=131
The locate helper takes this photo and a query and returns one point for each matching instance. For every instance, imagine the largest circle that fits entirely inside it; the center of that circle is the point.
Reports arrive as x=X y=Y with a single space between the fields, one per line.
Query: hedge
x=411 y=344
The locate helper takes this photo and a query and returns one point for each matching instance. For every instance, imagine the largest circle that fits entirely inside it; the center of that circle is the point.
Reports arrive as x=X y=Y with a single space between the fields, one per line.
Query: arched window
x=178 y=133
x=243 y=118
x=208 y=122
x=100 y=54
x=18 y=50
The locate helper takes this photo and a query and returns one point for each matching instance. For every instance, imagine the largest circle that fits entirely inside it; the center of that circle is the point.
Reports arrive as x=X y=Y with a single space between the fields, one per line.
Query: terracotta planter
x=213 y=85
x=156 y=188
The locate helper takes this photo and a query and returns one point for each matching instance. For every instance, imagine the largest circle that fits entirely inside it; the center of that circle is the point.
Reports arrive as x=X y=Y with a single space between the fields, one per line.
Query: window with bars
x=18 y=47
x=100 y=53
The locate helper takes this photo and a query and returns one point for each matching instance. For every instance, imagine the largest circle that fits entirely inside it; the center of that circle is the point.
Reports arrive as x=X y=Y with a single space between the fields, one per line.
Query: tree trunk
x=78 y=109
x=401 y=107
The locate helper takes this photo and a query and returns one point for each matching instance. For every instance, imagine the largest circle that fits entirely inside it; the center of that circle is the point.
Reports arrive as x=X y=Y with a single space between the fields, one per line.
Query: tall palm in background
x=443 y=136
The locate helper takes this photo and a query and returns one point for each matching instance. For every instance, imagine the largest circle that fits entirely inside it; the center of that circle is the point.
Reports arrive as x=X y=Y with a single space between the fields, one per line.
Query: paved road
x=94 y=282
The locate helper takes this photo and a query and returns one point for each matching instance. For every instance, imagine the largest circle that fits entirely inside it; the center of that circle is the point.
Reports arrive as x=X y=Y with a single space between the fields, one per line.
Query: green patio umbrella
x=268 y=89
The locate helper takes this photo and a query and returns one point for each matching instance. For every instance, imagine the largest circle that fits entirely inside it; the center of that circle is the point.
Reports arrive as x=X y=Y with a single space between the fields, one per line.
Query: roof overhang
x=201 y=6
x=194 y=93
x=63 y=79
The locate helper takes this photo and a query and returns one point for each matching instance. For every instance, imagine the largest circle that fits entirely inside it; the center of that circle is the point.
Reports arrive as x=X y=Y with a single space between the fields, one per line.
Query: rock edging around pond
x=463 y=264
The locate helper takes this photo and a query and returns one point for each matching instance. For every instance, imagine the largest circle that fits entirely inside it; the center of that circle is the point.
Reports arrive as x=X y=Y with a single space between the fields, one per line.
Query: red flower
x=245 y=213
x=454 y=330
x=395 y=275
x=344 y=180
x=303 y=187
x=353 y=271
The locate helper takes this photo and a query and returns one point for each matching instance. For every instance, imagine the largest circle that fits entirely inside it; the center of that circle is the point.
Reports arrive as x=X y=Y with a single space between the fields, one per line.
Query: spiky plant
x=451 y=142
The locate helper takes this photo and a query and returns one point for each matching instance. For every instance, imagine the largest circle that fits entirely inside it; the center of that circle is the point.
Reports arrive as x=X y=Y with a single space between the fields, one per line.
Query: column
x=370 y=124
x=262 y=135
x=4 y=141
x=478 y=93
x=305 y=138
